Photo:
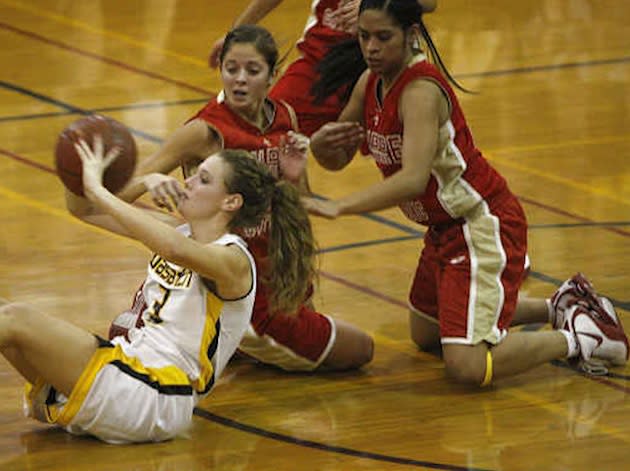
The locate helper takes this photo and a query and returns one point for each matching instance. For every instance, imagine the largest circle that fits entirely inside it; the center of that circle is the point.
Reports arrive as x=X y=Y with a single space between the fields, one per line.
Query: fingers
x=297 y=141
x=215 y=53
x=340 y=133
x=167 y=194
x=111 y=155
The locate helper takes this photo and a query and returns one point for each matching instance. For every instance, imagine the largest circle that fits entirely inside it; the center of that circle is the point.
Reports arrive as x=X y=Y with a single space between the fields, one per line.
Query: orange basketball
x=114 y=134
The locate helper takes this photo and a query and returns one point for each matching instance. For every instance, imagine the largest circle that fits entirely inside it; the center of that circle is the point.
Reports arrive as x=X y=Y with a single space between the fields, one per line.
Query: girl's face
x=382 y=42
x=205 y=190
x=246 y=78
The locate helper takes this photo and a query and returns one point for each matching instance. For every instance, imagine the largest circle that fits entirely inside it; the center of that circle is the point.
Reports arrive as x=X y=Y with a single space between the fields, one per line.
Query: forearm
x=156 y=235
x=255 y=12
x=389 y=192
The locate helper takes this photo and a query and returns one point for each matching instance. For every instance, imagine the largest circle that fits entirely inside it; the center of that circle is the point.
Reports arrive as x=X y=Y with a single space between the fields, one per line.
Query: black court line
x=605 y=379
x=114 y=62
x=106 y=60
x=545 y=68
x=228 y=422
x=324 y=447
x=68 y=107
x=109 y=109
x=374 y=217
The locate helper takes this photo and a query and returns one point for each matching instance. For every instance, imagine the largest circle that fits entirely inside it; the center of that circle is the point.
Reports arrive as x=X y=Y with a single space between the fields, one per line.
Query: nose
x=241 y=76
x=371 y=44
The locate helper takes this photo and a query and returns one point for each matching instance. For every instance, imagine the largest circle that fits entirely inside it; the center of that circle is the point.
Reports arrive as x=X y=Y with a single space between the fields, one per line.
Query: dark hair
x=258 y=36
x=343 y=64
x=292 y=248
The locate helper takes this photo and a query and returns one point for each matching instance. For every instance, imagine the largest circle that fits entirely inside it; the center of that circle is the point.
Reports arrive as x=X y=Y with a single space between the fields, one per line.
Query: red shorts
x=297 y=342
x=469 y=275
x=294 y=87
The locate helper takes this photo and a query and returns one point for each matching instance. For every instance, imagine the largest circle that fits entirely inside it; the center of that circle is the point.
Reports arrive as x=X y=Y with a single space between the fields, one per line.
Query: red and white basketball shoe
x=576 y=290
x=599 y=334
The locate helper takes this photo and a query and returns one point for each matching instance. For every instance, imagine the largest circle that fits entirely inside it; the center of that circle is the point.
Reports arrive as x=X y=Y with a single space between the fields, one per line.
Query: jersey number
x=154 y=311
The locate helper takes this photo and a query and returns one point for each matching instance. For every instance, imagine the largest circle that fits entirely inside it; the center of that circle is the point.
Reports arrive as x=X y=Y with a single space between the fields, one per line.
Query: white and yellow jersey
x=187 y=324
x=145 y=388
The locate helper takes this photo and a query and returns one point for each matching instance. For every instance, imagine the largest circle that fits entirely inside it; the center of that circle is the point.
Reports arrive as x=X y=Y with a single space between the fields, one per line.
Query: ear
x=272 y=76
x=232 y=203
x=413 y=37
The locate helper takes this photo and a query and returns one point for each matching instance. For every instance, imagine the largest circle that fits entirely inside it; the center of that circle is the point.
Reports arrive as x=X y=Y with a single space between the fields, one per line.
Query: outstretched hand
x=94 y=162
x=293 y=155
x=325 y=208
x=165 y=190
x=348 y=16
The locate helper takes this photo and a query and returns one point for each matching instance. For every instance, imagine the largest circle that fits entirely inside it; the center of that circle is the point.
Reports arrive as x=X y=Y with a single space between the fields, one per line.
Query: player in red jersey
x=243 y=117
x=404 y=112
x=330 y=22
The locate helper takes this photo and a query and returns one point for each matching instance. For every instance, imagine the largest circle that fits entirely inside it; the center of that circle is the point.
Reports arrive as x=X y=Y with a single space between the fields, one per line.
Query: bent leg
x=530 y=311
x=424 y=330
x=44 y=346
x=304 y=341
x=518 y=352
x=352 y=348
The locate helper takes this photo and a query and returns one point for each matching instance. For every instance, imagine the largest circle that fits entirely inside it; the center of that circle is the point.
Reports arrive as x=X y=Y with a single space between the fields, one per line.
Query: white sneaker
x=599 y=334
x=576 y=290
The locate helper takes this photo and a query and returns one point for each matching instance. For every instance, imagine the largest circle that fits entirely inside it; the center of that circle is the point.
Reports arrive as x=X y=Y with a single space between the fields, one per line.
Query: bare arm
x=86 y=211
x=226 y=265
x=422 y=108
x=335 y=144
x=192 y=141
x=253 y=13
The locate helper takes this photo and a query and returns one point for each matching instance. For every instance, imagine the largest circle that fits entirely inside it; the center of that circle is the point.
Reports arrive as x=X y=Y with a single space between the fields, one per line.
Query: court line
x=107 y=60
x=545 y=68
x=557 y=178
x=324 y=447
x=66 y=21
x=490 y=73
x=107 y=109
x=266 y=433
x=203 y=63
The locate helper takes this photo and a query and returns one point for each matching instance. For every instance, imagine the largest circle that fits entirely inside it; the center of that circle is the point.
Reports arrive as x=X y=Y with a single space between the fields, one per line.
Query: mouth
x=240 y=94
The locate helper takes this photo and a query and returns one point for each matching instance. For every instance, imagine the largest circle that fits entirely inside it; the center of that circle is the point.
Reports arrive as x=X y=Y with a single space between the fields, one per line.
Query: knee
x=464 y=367
x=362 y=353
x=352 y=349
x=425 y=334
x=12 y=317
x=367 y=351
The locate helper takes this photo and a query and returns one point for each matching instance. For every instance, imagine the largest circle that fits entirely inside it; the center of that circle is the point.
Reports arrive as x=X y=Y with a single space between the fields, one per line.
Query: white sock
x=573 y=349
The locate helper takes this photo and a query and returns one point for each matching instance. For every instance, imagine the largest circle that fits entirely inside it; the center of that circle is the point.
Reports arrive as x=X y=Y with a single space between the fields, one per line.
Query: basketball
x=68 y=163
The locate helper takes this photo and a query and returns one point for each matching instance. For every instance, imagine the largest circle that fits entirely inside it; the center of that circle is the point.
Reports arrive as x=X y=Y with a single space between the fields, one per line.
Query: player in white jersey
x=196 y=302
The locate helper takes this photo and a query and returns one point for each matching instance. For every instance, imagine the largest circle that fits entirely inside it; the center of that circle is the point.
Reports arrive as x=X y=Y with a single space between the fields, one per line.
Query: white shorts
x=118 y=400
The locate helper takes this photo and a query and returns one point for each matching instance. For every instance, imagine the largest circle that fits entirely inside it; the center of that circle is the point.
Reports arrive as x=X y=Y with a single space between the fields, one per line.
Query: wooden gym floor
x=552 y=115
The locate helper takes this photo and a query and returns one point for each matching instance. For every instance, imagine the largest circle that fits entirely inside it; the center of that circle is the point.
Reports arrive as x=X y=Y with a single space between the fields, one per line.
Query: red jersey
x=461 y=179
x=322 y=29
x=237 y=133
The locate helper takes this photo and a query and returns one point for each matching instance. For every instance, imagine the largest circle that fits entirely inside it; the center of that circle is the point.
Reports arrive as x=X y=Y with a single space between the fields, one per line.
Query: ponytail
x=339 y=70
x=292 y=250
